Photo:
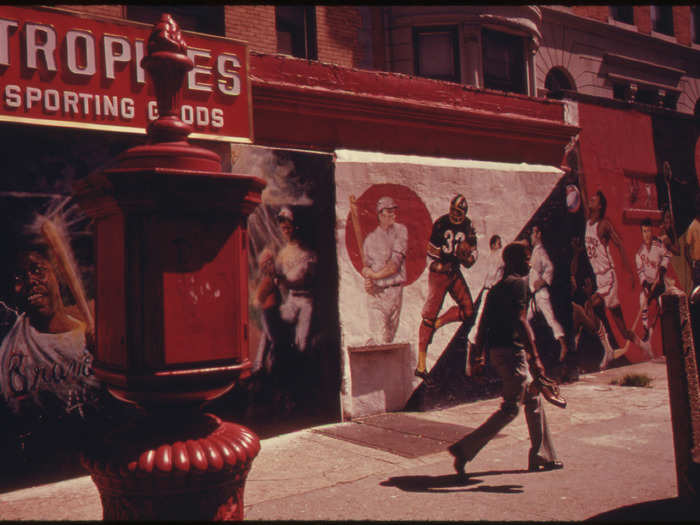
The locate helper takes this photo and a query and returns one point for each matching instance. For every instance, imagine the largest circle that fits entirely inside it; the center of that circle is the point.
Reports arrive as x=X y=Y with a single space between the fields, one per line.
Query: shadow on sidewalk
x=441 y=483
x=663 y=510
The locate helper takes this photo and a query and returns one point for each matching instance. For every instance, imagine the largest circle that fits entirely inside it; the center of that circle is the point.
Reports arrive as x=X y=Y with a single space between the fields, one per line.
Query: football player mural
x=452 y=244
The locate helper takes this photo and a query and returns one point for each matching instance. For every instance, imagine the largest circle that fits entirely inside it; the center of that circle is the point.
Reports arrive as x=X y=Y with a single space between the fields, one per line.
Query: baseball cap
x=285 y=214
x=385 y=202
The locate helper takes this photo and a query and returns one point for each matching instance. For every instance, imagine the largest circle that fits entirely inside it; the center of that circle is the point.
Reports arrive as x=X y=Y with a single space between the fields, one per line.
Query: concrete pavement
x=616 y=443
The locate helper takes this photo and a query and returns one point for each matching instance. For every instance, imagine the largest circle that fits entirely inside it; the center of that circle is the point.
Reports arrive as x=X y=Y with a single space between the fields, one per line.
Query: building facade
x=526 y=111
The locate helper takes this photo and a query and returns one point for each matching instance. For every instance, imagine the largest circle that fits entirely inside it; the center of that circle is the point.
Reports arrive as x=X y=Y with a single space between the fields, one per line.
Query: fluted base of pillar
x=173 y=467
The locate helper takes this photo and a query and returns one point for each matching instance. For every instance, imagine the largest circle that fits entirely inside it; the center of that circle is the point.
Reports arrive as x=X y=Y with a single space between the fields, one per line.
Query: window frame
x=657 y=19
x=307 y=32
x=453 y=32
x=615 y=13
x=523 y=66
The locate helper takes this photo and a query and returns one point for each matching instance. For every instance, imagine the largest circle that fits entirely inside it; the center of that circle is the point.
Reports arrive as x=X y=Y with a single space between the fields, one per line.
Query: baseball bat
x=354 y=217
x=65 y=262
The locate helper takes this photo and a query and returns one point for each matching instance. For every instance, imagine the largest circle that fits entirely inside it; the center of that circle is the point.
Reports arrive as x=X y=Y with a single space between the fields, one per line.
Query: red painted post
x=171 y=313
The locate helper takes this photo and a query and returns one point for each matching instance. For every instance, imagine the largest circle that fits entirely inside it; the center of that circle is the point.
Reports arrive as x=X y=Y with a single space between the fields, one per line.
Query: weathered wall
x=422 y=188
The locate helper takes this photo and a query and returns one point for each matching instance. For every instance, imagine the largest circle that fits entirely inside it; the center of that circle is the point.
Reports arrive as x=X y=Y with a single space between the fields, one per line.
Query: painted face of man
x=387 y=217
x=36 y=285
x=646 y=234
x=496 y=245
x=287 y=229
x=535 y=236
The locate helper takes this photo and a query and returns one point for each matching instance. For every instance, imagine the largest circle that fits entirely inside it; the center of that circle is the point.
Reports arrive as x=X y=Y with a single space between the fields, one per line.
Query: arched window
x=558 y=80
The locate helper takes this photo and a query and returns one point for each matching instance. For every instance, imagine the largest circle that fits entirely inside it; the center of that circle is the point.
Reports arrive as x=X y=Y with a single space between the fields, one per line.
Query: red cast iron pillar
x=171 y=318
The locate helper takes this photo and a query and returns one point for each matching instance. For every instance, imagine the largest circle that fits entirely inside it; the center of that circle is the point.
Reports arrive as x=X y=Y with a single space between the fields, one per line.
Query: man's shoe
x=537 y=463
x=424 y=375
x=460 y=461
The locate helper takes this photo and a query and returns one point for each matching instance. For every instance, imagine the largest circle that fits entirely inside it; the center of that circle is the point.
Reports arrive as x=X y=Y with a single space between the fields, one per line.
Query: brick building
x=516 y=107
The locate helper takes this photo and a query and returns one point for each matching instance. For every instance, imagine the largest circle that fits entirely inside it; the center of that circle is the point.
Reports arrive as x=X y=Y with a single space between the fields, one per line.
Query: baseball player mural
x=652 y=261
x=452 y=243
x=384 y=255
x=295 y=265
x=45 y=364
x=539 y=280
x=494 y=274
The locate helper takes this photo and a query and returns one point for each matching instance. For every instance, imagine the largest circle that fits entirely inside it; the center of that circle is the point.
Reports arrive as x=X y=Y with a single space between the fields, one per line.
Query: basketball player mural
x=452 y=243
x=599 y=233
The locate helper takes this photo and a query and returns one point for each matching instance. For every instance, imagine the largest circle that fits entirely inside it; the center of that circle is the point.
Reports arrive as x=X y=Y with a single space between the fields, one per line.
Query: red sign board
x=60 y=68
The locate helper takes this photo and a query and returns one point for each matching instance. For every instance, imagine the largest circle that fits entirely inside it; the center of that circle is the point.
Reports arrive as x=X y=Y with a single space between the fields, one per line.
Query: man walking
x=505 y=331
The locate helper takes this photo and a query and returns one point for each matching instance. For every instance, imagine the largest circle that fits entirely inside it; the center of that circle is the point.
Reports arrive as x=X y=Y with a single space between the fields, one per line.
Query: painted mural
x=431 y=250
x=292 y=290
x=50 y=398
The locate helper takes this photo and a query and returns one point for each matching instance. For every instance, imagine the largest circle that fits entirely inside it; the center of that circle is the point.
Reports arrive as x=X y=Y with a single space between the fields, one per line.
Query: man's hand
x=539 y=283
x=371 y=288
x=477 y=361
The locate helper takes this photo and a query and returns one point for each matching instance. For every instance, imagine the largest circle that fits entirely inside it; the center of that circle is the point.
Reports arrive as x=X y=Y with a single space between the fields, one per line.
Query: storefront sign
x=61 y=69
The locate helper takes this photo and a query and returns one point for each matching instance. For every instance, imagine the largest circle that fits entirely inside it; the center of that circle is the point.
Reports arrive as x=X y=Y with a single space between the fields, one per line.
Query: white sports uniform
x=380 y=247
x=541 y=267
x=648 y=262
x=296 y=265
x=603 y=265
x=33 y=362
x=493 y=275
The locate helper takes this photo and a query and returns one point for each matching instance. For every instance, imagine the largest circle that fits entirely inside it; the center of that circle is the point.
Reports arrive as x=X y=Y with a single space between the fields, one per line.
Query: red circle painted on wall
x=411 y=212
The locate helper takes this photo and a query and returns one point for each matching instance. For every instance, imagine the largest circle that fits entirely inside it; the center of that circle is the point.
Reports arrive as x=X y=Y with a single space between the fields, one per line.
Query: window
x=622 y=13
x=436 y=53
x=556 y=81
x=662 y=19
x=296 y=31
x=695 y=23
x=202 y=18
x=620 y=91
x=504 y=61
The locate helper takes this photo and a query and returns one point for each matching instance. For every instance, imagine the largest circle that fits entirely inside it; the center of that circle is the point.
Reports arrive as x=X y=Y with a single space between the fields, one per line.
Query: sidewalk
x=616 y=443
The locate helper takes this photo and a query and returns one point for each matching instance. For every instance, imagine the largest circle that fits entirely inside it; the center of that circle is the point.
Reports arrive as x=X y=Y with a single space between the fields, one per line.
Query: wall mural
x=292 y=286
x=436 y=225
x=367 y=274
x=50 y=398
x=431 y=250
